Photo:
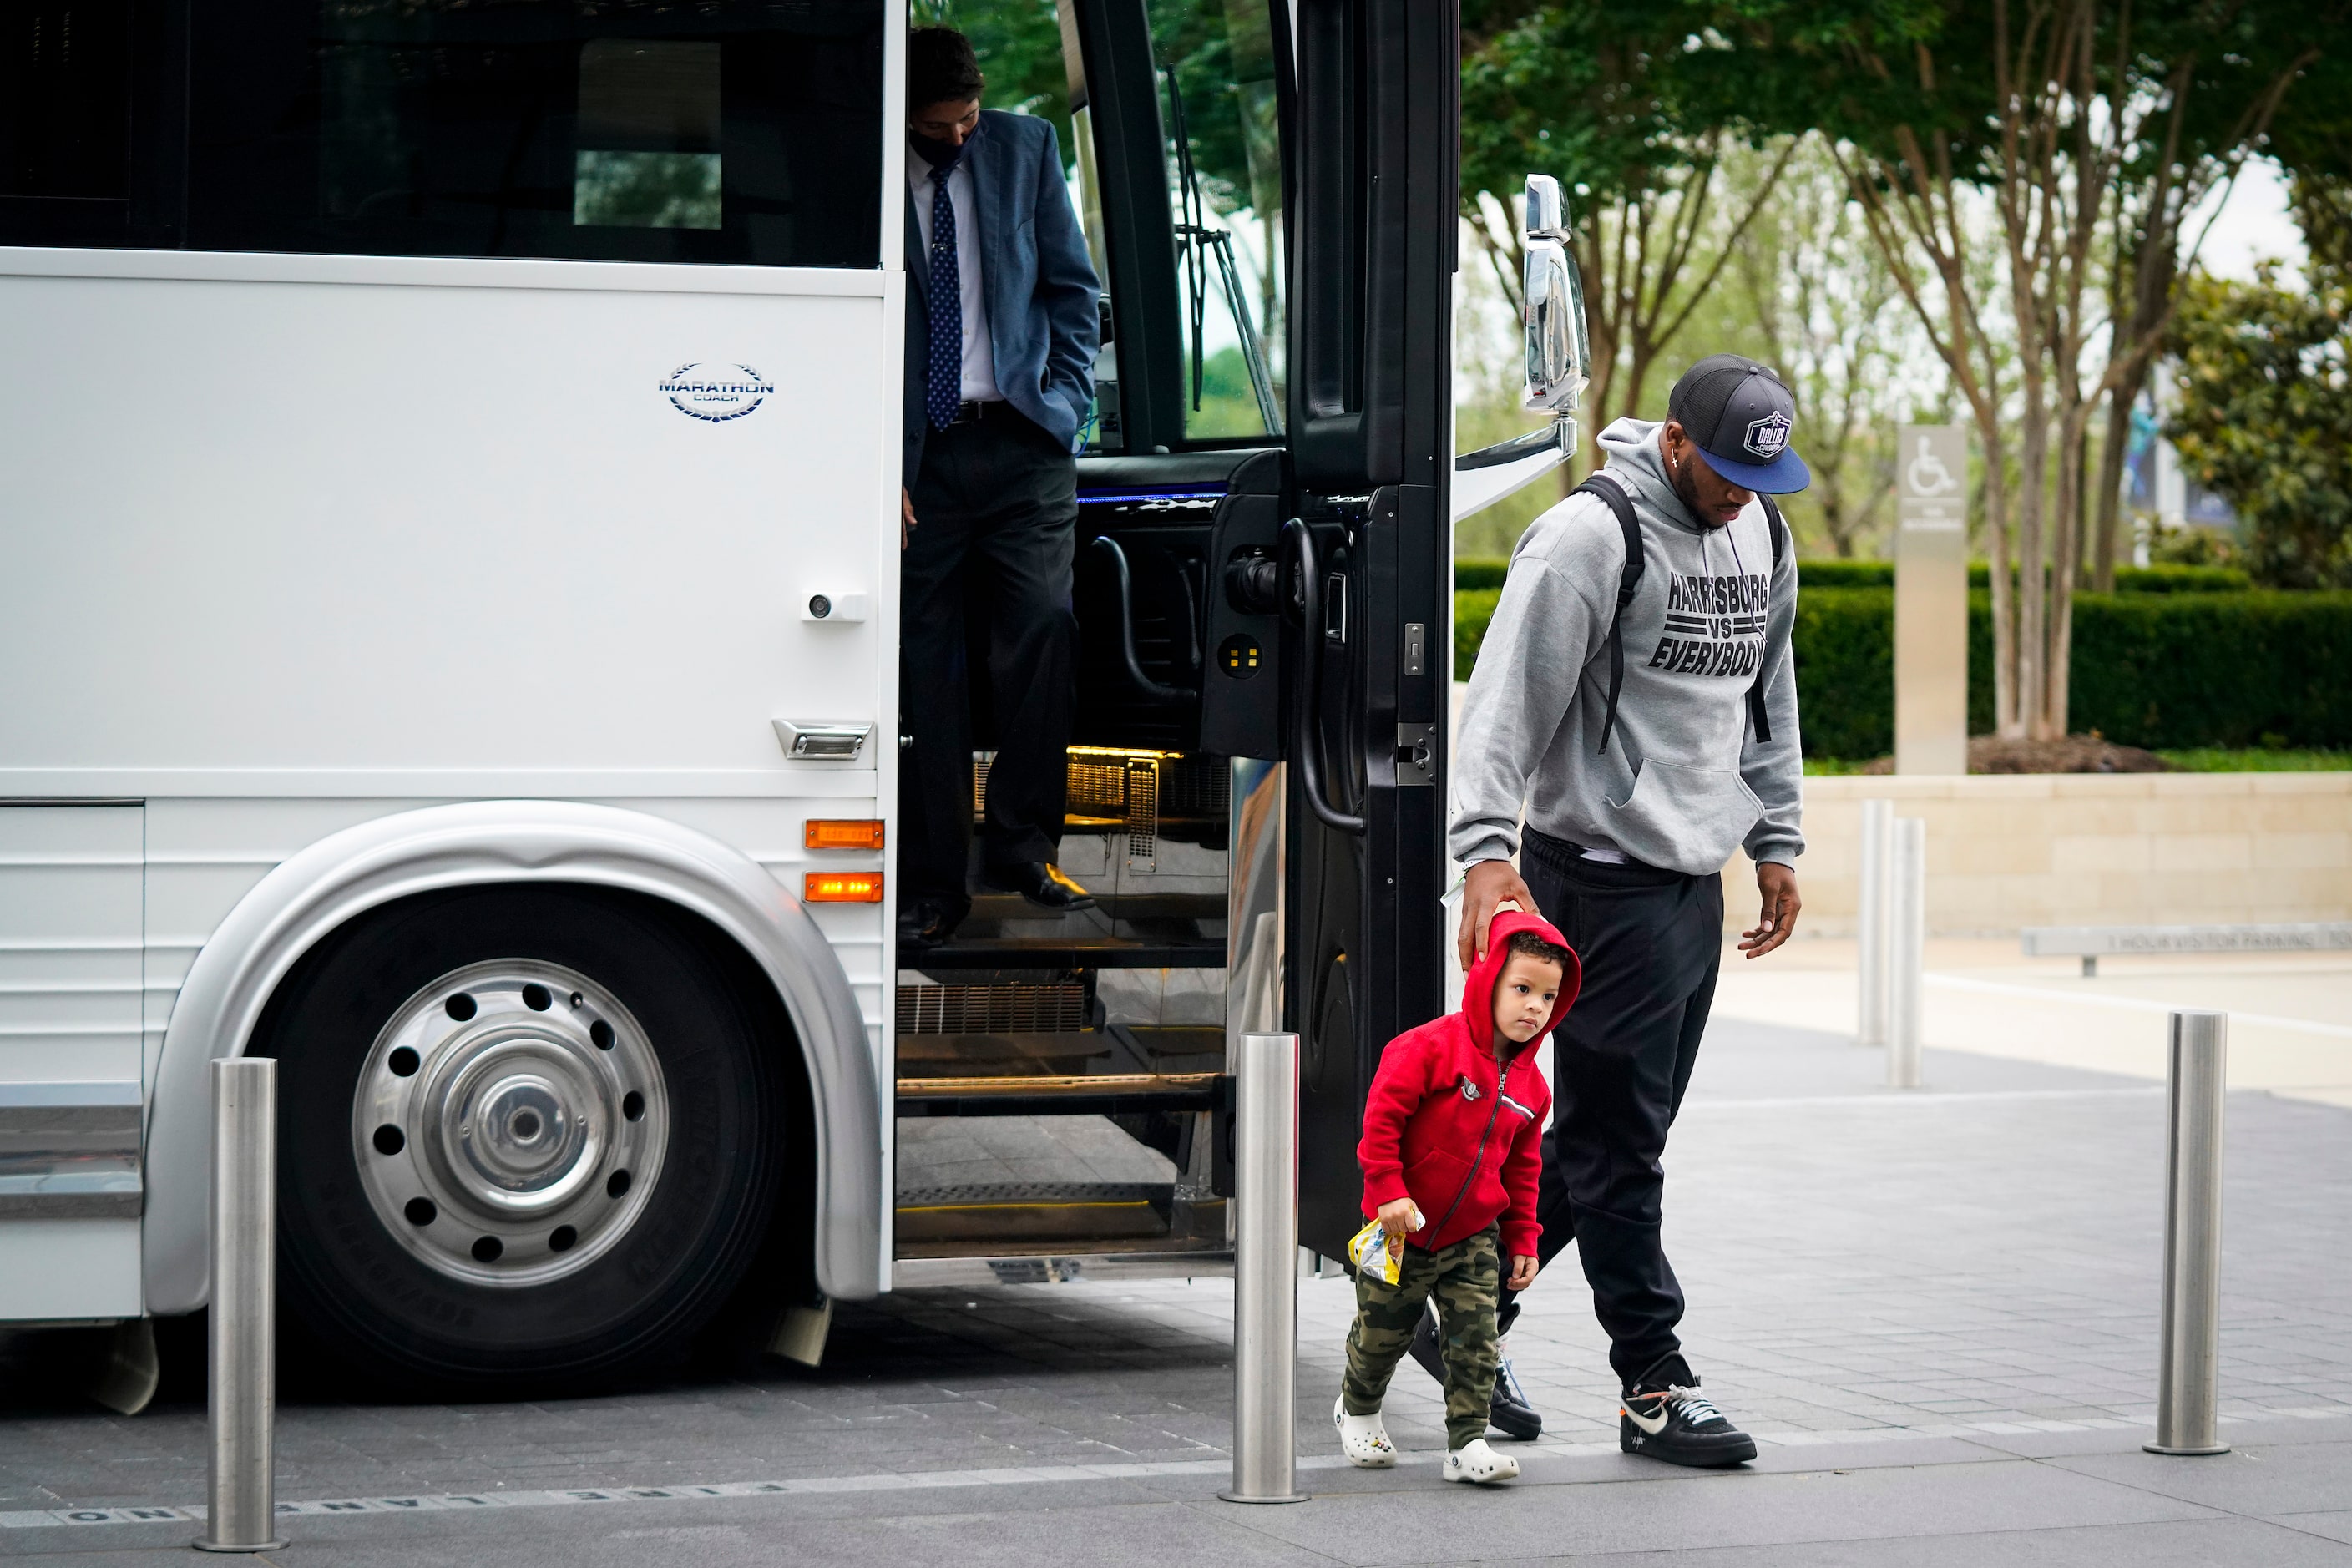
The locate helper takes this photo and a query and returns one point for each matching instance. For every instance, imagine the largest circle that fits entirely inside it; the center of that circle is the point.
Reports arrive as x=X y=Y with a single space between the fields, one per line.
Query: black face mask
x=941 y=156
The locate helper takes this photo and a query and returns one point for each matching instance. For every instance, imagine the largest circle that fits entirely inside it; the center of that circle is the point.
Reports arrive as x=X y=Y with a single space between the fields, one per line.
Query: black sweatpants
x=1649 y=941
x=996 y=524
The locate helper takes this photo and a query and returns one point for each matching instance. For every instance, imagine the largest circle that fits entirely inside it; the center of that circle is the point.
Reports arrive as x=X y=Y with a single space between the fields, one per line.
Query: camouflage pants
x=1463 y=1280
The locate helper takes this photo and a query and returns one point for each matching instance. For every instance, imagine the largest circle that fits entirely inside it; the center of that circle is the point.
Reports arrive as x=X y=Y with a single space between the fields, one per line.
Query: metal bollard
x=1906 y=952
x=1870 y=919
x=242 y=1511
x=1265 y=1270
x=2189 y=1349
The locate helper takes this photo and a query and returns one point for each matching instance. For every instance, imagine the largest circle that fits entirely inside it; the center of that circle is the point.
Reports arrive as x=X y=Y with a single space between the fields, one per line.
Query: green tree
x=1633 y=107
x=2069 y=140
x=2264 y=417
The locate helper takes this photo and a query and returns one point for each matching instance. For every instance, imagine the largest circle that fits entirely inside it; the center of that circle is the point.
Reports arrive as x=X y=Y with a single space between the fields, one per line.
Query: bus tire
x=528 y=1136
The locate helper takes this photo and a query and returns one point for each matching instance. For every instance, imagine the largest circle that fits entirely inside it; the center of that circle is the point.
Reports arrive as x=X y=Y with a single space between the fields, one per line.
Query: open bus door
x=1263 y=594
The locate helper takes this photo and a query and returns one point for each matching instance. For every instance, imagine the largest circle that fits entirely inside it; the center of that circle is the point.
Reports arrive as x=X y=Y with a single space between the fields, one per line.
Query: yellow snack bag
x=1371 y=1252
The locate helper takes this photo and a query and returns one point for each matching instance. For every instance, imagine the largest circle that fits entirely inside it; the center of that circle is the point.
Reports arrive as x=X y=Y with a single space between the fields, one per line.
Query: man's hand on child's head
x=1486 y=887
x=1523 y=1272
x=1400 y=1217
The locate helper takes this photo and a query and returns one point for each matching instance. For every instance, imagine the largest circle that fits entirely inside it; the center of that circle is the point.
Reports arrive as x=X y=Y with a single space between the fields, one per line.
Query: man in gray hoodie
x=1646 y=735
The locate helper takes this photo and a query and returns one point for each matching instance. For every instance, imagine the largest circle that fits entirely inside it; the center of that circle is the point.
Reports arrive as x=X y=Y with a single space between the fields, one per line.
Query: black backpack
x=1619 y=502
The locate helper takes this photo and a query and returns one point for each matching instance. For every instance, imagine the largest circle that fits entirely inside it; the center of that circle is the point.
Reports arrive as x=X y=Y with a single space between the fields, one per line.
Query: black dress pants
x=995 y=530
x=1649 y=941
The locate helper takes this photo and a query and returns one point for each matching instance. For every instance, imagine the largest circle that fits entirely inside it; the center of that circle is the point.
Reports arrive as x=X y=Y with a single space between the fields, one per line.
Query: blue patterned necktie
x=946 y=383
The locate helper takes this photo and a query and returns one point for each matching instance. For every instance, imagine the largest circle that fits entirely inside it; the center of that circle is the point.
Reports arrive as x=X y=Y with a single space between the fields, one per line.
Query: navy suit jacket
x=1041 y=288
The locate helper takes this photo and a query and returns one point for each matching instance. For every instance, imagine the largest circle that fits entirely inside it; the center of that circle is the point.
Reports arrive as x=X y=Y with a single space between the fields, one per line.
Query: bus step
x=1065 y=952
x=1072 y=1094
x=1034 y=1211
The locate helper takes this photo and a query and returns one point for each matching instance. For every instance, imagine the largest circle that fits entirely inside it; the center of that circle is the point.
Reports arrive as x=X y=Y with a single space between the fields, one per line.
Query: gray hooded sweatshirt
x=1683 y=780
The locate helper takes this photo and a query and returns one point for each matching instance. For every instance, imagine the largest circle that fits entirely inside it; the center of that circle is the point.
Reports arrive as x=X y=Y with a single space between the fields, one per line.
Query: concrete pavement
x=1937 y=1309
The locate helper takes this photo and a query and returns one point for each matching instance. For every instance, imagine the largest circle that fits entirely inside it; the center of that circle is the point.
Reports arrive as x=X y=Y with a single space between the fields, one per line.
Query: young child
x=1449 y=1153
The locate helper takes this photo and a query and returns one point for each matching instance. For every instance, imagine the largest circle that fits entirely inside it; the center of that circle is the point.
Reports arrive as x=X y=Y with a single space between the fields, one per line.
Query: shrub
x=2206 y=669
x=1481 y=573
x=2160 y=669
x=1845 y=671
x=1472 y=608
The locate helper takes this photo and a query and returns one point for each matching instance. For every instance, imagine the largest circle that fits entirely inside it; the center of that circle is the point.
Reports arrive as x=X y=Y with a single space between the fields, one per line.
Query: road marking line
x=924 y=1481
x=2135 y=1004
x=1915 y=1097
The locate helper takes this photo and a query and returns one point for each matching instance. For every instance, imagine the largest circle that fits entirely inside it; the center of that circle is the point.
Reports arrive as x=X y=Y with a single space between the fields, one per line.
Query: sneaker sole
x=1730 y=1454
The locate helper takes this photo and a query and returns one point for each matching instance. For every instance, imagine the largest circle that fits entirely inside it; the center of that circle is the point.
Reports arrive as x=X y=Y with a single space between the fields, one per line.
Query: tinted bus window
x=720 y=131
x=65 y=104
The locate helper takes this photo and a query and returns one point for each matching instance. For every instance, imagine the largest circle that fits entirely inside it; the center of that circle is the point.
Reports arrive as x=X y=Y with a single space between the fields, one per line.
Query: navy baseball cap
x=1741 y=415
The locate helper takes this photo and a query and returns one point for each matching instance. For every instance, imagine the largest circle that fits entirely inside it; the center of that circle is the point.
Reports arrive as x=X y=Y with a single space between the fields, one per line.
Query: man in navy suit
x=1002 y=328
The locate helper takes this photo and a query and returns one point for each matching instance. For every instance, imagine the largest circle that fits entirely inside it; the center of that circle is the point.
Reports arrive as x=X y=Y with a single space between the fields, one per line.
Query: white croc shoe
x=1474 y=1461
x=1365 y=1438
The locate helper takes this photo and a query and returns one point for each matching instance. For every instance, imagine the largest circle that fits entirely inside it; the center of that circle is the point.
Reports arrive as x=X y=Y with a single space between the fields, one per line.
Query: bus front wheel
x=526 y=1135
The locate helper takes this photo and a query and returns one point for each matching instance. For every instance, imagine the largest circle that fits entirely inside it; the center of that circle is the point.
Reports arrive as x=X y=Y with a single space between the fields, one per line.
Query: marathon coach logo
x=1769 y=437
x=717 y=392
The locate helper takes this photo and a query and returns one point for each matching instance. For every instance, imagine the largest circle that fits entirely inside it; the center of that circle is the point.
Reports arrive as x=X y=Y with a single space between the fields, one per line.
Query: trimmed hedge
x=1480 y=572
x=2163 y=670
x=1472 y=608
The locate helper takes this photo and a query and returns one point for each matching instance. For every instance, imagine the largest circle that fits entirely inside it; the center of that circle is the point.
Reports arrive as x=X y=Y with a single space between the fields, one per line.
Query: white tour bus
x=448 y=604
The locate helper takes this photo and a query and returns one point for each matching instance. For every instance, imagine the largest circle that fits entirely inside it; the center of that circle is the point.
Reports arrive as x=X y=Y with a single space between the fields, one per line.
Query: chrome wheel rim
x=509 y=1124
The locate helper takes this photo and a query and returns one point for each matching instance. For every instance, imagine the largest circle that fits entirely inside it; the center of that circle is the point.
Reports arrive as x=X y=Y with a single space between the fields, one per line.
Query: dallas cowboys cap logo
x=1768 y=437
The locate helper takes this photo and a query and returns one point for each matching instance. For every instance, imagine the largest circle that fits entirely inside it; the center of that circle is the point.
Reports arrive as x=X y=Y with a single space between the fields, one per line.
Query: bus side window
x=65 y=114
x=731 y=132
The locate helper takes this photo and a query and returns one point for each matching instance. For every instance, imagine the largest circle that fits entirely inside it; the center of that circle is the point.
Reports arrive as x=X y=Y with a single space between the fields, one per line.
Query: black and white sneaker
x=1665 y=1416
x=1509 y=1411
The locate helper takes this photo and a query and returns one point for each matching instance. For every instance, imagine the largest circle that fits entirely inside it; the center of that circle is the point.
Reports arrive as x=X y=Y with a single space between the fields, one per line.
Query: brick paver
x=1868 y=1274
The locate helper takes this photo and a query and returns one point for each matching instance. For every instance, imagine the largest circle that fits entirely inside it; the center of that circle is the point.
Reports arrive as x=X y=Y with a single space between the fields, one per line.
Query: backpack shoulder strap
x=1628 y=581
x=1778 y=529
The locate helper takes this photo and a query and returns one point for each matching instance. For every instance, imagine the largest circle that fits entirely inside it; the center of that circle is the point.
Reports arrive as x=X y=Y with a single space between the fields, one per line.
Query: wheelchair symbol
x=1926 y=475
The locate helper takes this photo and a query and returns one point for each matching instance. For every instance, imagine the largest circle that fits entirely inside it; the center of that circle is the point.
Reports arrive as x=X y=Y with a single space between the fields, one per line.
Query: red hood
x=1478 y=989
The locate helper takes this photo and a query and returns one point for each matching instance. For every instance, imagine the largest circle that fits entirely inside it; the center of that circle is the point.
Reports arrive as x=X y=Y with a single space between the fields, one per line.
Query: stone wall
x=2009 y=851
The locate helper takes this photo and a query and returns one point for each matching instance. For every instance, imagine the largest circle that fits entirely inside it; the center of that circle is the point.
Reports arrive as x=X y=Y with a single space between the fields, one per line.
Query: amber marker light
x=843 y=834
x=842 y=888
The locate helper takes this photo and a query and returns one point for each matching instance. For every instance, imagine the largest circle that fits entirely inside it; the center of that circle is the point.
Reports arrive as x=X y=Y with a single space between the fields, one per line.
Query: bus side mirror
x=1558 y=354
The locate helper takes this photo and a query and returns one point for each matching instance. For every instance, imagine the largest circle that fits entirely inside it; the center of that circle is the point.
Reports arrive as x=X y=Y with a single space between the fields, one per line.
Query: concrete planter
x=2007 y=851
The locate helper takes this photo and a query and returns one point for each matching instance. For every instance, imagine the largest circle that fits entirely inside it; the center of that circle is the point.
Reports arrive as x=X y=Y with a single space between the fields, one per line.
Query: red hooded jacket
x=1452 y=1129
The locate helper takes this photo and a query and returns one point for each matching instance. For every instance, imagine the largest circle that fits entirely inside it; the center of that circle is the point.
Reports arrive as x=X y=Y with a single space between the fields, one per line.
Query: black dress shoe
x=1507 y=1410
x=924 y=924
x=1041 y=882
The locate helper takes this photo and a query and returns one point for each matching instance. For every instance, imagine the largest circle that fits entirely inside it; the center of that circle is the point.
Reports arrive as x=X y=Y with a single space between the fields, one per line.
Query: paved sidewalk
x=1937 y=1309
x=2290 y=1012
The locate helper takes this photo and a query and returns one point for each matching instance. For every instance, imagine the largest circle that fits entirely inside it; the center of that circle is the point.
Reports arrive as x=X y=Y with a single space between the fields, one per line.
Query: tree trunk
x=2004 y=593
x=2071 y=463
x=2032 y=679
